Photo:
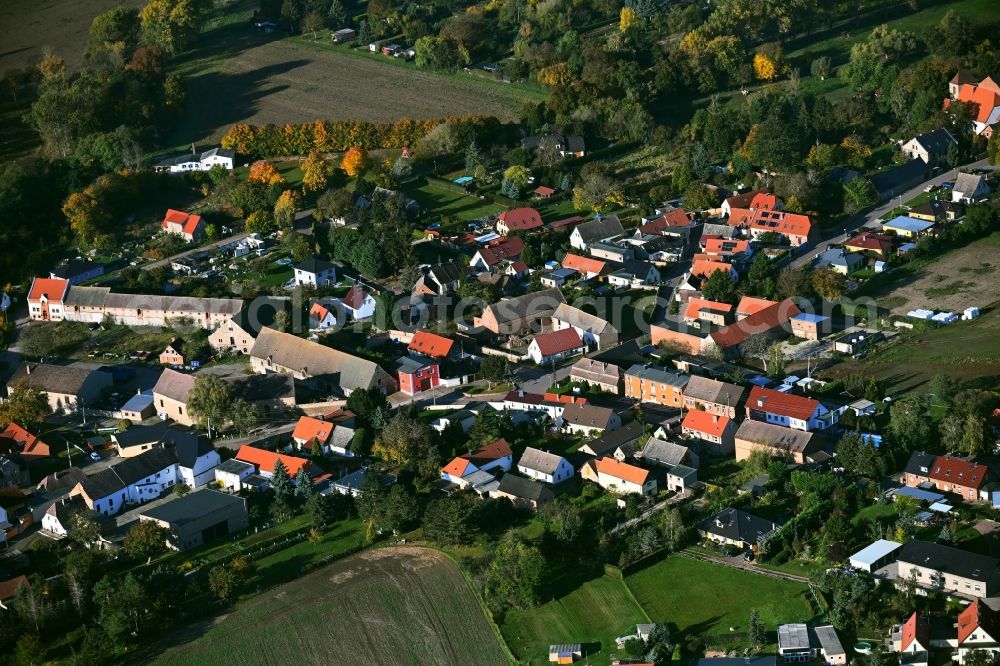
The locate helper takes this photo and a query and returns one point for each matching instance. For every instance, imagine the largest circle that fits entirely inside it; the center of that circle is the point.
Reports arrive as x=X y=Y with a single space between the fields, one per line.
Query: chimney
x=193 y=151
x=27 y=368
x=715 y=418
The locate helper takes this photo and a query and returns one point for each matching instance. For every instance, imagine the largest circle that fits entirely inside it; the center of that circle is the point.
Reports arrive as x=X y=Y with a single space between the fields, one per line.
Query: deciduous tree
x=146 y=539
x=315 y=172
x=353 y=162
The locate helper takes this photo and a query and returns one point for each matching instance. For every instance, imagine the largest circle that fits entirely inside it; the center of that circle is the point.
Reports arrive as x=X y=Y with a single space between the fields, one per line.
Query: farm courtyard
x=383 y=606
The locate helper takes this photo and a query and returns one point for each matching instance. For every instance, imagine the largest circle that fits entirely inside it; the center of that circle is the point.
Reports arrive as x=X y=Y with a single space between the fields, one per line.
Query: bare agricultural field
x=964 y=277
x=384 y=606
x=28 y=27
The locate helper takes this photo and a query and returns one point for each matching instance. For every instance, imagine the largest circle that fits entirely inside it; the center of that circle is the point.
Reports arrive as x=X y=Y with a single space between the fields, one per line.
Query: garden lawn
x=595 y=613
x=706 y=599
x=449 y=203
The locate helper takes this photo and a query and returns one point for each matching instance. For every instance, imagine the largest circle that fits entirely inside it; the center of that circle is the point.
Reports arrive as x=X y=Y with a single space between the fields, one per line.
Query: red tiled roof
x=764 y=201
x=705 y=267
x=783 y=404
x=695 y=305
x=308 y=429
x=620 y=470
x=742 y=200
x=960 y=472
x=544 y=191
x=575 y=219
x=975 y=615
x=189 y=222
x=30 y=444
x=739 y=217
x=538 y=398
x=871 y=241
x=789 y=224
x=510 y=248
x=583 y=264
x=51 y=288
x=318 y=311
x=915 y=628
x=555 y=342
x=265 y=460
x=984 y=95
x=749 y=305
x=489 y=452
x=725 y=246
x=457 y=467
x=759 y=322
x=8 y=588
x=522 y=219
x=676 y=218
x=699 y=421
x=355 y=297
x=430 y=344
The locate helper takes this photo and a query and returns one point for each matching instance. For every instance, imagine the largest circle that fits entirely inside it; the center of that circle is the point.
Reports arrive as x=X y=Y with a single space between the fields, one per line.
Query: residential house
x=194 y=162
x=702 y=266
x=358 y=303
x=321 y=317
x=717 y=432
x=265 y=461
x=907 y=227
x=634 y=274
x=771 y=321
x=978 y=629
x=713 y=396
x=196 y=461
x=518 y=219
x=734 y=527
x=619 y=444
x=141 y=438
x=544 y=466
x=969 y=188
x=595 y=331
x=985 y=97
x=67 y=387
x=588 y=267
x=231 y=474
x=589 y=419
x=497 y=254
x=868 y=241
x=808 y=326
x=937 y=567
x=938 y=211
x=673 y=218
x=618 y=253
x=272 y=393
x=45 y=299
x=514 y=316
x=170 y=394
x=523 y=492
x=765 y=215
x=173 y=354
x=132 y=481
x=13 y=473
x=605 y=376
x=492 y=457
x=199 y=517
x=315 y=272
x=237 y=334
x=557 y=278
x=433 y=346
x=77 y=271
x=652 y=384
x=729 y=249
x=745 y=201
x=699 y=310
x=188 y=226
x=801 y=643
x=565 y=145
x=555 y=346
x=666 y=454
x=948 y=474
x=522 y=404
x=415 y=374
x=439 y=280
x=788 y=410
x=793 y=445
x=323 y=367
x=599 y=230
x=309 y=431
x=28 y=446
x=931 y=147
x=619 y=477
x=839 y=260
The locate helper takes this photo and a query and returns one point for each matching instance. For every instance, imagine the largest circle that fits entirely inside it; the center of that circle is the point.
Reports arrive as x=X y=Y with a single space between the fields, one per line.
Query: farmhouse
x=188 y=226
x=92 y=304
x=544 y=466
x=595 y=331
x=199 y=517
x=516 y=315
x=931 y=147
x=67 y=387
x=604 y=376
x=238 y=333
x=518 y=219
x=323 y=367
x=619 y=477
x=791 y=411
x=734 y=527
x=555 y=346
x=785 y=443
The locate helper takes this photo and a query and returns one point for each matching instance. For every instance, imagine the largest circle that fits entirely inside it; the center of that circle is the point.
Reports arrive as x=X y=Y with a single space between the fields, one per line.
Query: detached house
x=518 y=219
x=358 y=303
x=931 y=147
x=493 y=457
x=555 y=346
x=68 y=387
x=588 y=267
x=544 y=466
x=173 y=353
x=790 y=411
x=432 y=345
x=599 y=230
x=978 y=629
x=497 y=254
x=717 y=432
x=315 y=272
x=309 y=430
x=321 y=317
x=31 y=446
x=523 y=492
x=619 y=477
x=439 y=280
x=969 y=188
x=415 y=374
x=265 y=461
x=734 y=527
x=785 y=443
x=186 y=225
x=589 y=420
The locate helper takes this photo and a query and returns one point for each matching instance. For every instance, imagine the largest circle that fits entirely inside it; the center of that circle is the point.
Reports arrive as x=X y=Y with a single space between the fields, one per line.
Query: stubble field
x=384 y=606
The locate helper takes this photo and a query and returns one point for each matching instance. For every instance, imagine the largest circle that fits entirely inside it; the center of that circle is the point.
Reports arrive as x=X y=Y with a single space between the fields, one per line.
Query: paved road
x=871 y=219
x=235 y=238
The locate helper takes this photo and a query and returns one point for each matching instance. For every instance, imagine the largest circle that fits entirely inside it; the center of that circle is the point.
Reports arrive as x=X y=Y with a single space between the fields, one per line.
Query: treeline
x=326 y=136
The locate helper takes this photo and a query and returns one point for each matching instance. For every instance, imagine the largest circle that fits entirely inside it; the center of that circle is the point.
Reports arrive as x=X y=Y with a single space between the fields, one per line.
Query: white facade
x=563 y=471
x=141 y=491
x=202 y=472
x=329 y=276
x=365 y=310
x=232 y=481
x=49 y=522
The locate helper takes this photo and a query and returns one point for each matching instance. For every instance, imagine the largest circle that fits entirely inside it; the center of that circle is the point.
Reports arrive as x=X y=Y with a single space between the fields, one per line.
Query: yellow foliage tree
x=764 y=68
x=626 y=19
x=555 y=75
x=314 y=173
x=260 y=221
x=263 y=171
x=289 y=202
x=353 y=162
x=85 y=215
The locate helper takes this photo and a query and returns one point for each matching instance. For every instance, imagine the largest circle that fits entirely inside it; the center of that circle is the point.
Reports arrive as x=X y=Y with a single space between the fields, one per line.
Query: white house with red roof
x=321 y=317
x=913 y=639
x=788 y=410
x=619 y=477
x=985 y=96
x=309 y=430
x=188 y=226
x=431 y=345
x=556 y=345
x=518 y=219
x=45 y=299
x=717 y=430
x=358 y=303
x=495 y=456
x=265 y=461
x=31 y=445
x=586 y=266
x=978 y=629
x=488 y=257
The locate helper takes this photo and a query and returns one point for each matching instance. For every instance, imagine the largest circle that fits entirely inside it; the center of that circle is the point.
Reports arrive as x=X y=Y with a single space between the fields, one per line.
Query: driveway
x=871 y=219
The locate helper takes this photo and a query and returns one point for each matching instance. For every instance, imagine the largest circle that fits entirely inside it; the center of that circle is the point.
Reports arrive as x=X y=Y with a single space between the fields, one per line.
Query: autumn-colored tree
x=263 y=171
x=828 y=283
x=85 y=215
x=261 y=222
x=353 y=162
x=554 y=75
x=764 y=67
x=172 y=24
x=626 y=18
x=314 y=173
x=288 y=204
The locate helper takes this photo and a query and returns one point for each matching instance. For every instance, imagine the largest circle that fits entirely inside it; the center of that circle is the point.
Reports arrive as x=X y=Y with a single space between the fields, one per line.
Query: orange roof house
x=978 y=615
x=588 y=266
x=45 y=299
x=762 y=321
x=677 y=218
x=431 y=344
x=31 y=446
x=749 y=305
x=619 y=477
x=704 y=267
x=915 y=635
x=726 y=247
x=798 y=229
x=265 y=461
x=183 y=224
x=309 y=429
x=495 y=455
x=985 y=96
x=518 y=219
x=704 y=423
x=696 y=306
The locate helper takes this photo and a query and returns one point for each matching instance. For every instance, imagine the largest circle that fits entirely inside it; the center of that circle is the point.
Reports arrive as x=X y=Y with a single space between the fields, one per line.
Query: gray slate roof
x=776 y=436
x=954 y=561
x=128 y=471
x=316 y=360
x=738 y=525
x=605 y=227
x=194 y=506
x=66 y=379
x=967 y=183
x=581 y=319
x=664 y=452
x=712 y=390
x=174 y=385
x=540 y=461
x=539 y=303
x=936 y=141
x=528 y=489
x=658 y=375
